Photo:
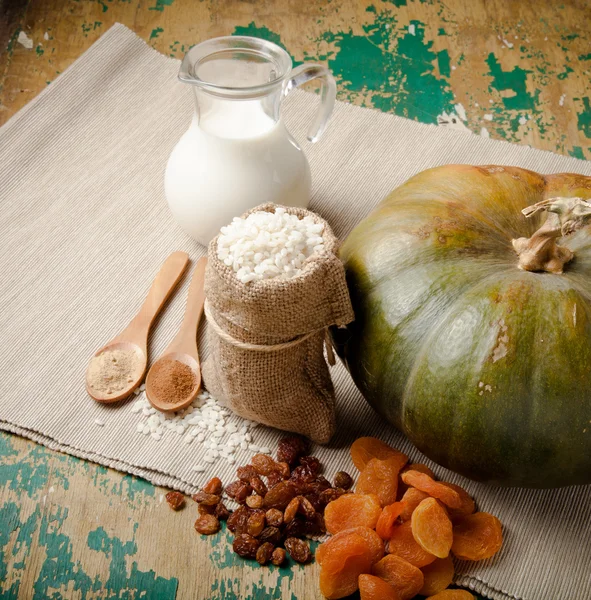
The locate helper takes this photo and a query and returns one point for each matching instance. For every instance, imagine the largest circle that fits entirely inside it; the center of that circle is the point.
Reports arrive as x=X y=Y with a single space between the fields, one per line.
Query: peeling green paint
x=161 y=4
x=515 y=81
x=156 y=32
x=577 y=152
x=585 y=56
x=565 y=73
x=39 y=50
x=254 y=30
x=584 y=118
x=444 y=63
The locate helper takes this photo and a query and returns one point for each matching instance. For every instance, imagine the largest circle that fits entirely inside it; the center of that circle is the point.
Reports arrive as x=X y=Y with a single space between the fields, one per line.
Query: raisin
x=343 y=480
x=437 y=576
x=380 y=477
x=271 y=534
x=366 y=448
x=254 y=501
x=405 y=578
x=315 y=526
x=274 y=517
x=403 y=544
x=291 y=510
x=263 y=464
x=283 y=470
x=278 y=557
x=438 y=490
x=375 y=546
x=207 y=525
x=264 y=553
x=221 y=512
x=207 y=499
x=246 y=473
x=305 y=508
x=204 y=509
x=245 y=545
x=352 y=510
x=257 y=484
x=477 y=536
x=452 y=595
x=311 y=463
x=467 y=505
x=273 y=479
x=213 y=486
x=314 y=500
x=238 y=519
x=297 y=528
x=280 y=496
x=327 y=496
x=342 y=563
x=303 y=474
x=374 y=588
x=387 y=520
x=432 y=528
x=411 y=499
x=232 y=488
x=175 y=500
x=291 y=448
x=239 y=492
x=256 y=523
x=298 y=550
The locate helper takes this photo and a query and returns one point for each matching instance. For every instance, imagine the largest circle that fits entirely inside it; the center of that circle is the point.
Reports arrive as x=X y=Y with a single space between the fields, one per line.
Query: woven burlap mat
x=85 y=228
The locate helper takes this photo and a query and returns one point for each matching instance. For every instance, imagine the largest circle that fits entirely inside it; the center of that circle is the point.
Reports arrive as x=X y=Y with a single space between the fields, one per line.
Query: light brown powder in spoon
x=113 y=370
x=171 y=381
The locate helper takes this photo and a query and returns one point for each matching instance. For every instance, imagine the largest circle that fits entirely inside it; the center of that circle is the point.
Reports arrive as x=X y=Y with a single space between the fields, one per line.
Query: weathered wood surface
x=520 y=71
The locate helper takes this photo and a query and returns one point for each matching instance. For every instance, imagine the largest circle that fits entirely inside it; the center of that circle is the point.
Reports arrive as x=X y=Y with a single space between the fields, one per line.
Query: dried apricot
x=438 y=576
x=452 y=595
x=467 y=505
x=347 y=558
x=411 y=499
x=420 y=468
x=405 y=578
x=387 y=520
x=376 y=546
x=374 y=588
x=380 y=477
x=403 y=544
x=432 y=528
x=477 y=536
x=352 y=510
x=438 y=490
x=365 y=448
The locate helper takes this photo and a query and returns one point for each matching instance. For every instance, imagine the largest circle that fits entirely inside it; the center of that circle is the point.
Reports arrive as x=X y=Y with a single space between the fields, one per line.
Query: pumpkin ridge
x=428 y=339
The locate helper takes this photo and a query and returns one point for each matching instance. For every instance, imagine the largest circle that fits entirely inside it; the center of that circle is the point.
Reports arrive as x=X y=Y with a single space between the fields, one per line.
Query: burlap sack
x=288 y=388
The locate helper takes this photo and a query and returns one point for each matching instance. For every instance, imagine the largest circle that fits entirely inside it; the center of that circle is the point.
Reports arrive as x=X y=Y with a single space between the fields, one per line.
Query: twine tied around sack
x=271 y=347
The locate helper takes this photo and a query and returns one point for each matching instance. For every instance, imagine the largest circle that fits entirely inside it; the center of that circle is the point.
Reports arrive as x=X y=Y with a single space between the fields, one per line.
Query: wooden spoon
x=135 y=336
x=183 y=347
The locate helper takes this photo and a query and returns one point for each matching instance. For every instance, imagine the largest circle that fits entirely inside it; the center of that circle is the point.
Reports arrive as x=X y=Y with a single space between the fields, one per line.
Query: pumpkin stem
x=540 y=252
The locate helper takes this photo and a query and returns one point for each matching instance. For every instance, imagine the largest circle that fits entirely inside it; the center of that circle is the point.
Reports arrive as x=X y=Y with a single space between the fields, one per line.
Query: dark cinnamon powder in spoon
x=172 y=381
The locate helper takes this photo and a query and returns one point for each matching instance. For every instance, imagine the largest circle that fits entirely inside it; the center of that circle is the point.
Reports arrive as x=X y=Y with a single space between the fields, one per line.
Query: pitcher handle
x=328 y=92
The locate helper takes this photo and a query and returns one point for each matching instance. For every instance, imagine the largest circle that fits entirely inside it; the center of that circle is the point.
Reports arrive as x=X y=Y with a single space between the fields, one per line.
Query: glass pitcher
x=237 y=152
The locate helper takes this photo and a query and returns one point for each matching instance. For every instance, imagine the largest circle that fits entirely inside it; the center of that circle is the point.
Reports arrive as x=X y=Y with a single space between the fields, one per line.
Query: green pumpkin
x=486 y=367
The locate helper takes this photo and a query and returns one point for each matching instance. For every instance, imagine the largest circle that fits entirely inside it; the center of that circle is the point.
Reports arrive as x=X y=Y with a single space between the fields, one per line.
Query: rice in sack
x=274 y=284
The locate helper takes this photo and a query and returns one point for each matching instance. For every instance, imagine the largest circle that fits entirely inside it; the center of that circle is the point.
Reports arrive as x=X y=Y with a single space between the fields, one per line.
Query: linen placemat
x=85 y=227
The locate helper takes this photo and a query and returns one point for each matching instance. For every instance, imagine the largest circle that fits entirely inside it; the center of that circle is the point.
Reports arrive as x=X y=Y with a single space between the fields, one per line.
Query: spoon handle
x=163 y=284
x=186 y=339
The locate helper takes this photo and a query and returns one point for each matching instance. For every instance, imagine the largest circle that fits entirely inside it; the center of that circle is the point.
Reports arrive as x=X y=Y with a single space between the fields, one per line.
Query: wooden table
x=515 y=70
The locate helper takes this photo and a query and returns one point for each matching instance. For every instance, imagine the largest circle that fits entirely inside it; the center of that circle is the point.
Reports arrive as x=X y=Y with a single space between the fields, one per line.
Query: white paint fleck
x=476 y=104
x=46 y=36
x=161 y=498
x=488 y=117
x=484 y=132
x=516 y=37
x=562 y=99
x=522 y=120
x=24 y=40
x=99 y=422
x=387 y=25
x=480 y=393
x=452 y=121
x=491 y=101
x=488 y=388
x=461 y=111
x=411 y=29
x=481 y=384
x=545 y=39
x=51 y=490
x=453 y=67
x=506 y=42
